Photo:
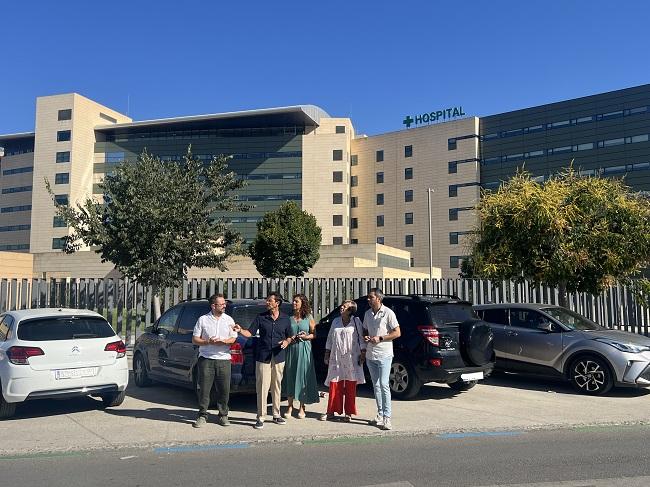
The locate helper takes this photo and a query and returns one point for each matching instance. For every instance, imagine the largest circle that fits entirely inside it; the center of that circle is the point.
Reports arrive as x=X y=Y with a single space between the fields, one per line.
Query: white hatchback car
x=54 y=353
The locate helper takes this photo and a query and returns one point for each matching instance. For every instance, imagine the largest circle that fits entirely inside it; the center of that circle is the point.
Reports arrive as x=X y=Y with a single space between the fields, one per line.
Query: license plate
x=472 y=376
x=75 y=373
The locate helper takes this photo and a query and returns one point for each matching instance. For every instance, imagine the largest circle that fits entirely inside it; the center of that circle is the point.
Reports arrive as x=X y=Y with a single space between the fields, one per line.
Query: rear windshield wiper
x=85 y=335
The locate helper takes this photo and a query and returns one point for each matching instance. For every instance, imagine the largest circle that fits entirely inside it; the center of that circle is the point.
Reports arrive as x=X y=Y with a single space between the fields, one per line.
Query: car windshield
x=60 y=328
x=571 y=319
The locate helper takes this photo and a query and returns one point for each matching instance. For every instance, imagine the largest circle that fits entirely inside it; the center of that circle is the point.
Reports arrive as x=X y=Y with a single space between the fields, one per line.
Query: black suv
x=165 y=351
x=442 y=341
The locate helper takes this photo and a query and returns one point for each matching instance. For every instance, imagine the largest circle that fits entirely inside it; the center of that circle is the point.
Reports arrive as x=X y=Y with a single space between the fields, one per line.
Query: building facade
x=362 y=190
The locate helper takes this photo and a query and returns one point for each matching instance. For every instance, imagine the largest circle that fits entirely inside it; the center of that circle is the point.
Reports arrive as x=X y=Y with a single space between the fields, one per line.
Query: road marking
x=44 y=455
x=128 y=457
x=193 y=448
x=393 y=484
x=477 y=434
x=349 y=439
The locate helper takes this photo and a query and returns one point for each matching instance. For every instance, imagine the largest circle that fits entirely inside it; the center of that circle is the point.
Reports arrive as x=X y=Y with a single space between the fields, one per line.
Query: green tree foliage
x=287 y=242
x=158 y=218
x=576 y=233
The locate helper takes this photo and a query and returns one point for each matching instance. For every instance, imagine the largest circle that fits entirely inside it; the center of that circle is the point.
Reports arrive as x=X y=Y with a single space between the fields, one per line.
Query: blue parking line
x=448 y=436
x=182 y=449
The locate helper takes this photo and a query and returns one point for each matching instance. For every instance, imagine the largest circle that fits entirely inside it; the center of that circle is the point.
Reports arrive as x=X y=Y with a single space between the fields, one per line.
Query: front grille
x=645 y=375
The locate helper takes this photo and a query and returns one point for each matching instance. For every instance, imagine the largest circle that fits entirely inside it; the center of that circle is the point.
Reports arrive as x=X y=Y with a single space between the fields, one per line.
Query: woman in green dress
x=299 y=380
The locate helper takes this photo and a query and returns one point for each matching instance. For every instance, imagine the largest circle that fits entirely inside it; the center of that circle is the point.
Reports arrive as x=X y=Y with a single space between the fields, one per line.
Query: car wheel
x=591 y=375
x=140 y=373
x=114 y=399
x=404 y=383
x=7 y=409
x=460 y=385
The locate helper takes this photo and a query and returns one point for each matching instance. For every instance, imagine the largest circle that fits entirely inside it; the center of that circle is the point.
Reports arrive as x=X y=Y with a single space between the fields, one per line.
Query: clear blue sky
x=373 y=61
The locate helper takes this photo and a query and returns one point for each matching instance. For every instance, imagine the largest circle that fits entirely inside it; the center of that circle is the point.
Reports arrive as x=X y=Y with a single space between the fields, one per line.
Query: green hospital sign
x=435 y=116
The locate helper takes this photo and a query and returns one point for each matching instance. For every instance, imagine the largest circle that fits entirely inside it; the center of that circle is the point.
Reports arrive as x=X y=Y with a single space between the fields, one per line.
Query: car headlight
x=625 y=347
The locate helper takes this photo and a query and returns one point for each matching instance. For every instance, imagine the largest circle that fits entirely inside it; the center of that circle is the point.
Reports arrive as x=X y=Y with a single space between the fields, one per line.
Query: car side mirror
x=547 y=327
x=162 y=332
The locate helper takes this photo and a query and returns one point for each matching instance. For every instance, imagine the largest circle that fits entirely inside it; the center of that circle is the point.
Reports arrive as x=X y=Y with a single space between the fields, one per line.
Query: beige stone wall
x=16 y=265
x=16 y=199
x=429 y=163
x=86 y=114
x=349 y=261
x=317 y=176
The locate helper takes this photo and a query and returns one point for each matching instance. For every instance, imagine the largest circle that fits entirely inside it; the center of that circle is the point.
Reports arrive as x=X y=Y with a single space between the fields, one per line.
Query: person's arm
x=288 y=335
x=247 y=333
x=393 y=330
x=196 y=335
x=312 y=330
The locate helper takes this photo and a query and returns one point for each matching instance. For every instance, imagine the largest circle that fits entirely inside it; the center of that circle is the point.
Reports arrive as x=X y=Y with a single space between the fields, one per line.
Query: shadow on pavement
x=550 y=384
x=53 y=407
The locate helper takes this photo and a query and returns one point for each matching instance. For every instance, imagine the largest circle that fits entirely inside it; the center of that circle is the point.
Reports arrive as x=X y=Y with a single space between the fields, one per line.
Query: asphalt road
x=593 y=457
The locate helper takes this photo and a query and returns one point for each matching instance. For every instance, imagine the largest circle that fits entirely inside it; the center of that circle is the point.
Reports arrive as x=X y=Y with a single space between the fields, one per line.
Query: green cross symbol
x=408 y=121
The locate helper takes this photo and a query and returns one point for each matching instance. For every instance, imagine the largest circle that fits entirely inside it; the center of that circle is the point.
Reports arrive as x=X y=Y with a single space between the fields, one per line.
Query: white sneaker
x=378 y=421
x=386 y=424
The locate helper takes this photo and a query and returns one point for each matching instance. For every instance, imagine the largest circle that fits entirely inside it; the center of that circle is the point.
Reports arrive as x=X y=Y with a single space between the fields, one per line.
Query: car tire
x=476 y=342
x=460 y=385
x=590 y=374
x=114 y=399
x=7 y=409
x=140 y=374
x=404 y=382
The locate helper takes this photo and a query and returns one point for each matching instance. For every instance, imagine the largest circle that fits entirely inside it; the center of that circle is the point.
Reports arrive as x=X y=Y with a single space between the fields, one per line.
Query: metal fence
x=129 y=305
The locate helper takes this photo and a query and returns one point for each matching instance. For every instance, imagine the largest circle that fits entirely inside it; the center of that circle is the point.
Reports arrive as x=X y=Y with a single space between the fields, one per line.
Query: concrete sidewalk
x=162 y=415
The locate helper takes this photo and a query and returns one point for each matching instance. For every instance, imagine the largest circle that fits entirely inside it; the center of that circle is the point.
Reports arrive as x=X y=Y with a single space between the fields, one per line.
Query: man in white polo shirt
x=214 y=334
x=382 y=328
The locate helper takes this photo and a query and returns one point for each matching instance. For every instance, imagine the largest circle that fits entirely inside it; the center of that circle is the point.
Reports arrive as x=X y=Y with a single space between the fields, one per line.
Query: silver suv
x=551 y=340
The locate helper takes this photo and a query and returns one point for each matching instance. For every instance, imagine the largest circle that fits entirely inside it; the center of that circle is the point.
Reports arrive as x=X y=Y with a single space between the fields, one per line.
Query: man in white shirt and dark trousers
x=382 y=328
x=214 y=334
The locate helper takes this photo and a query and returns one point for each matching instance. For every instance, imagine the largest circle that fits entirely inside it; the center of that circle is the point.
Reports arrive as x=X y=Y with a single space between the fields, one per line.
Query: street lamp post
x=429 y=191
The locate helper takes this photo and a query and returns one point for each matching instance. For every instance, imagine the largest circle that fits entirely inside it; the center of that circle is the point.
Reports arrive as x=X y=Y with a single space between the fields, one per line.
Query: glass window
x=380 y=156
x=337 y=240
x=453 y=190
x=534 y=128
x=408 y=241
x=354 y=160
x=354 y=202
x=562 y=123
x=611 y=142
x=354 y=223
x=337 y=176
x=408 y=173
x=337 y=220
x=63 y=135
x=453 y=238
x=57 y=243
x=191 y=314
x=634 y=111
x=61 y=199
x=354 y=181
x=492 y=160
x=526 y=318
x=451 y=144
x=453 y=214
x=454 y=261
x=63 y=156
x=497 y=316
x=354 y=241
x=408 y=151
x=560 y=150
x=62 y=178
x=452 y=168
x=380 y=198
x=380 y=177
x=579 y=147
x=535 y=153
x=585 y=119
x=408 y=218
x=380 y=240
x=337 y=155
x=380 y=220
x=408 y=195
x=65 y=114
x=609 y=115
x=340 y=129
x=337 y=198
x=638 y=138
x=168 y=320
x=58 y=222
x=64 y=328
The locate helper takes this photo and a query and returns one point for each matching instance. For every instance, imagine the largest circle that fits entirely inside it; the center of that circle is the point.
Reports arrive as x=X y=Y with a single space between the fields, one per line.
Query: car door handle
x=511 y=333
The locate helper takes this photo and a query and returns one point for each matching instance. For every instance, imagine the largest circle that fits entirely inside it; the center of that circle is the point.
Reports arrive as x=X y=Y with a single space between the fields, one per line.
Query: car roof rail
x=420 y=295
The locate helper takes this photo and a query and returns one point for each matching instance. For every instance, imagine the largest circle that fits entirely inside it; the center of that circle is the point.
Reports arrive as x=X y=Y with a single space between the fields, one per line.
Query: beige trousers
x=268 y=376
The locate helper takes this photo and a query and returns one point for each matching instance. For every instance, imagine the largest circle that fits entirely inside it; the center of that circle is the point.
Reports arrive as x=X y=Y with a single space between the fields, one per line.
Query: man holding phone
x=214 y=334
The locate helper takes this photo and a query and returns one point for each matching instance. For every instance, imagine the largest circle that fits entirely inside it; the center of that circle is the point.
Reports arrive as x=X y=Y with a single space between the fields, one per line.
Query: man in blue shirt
x=275 y=335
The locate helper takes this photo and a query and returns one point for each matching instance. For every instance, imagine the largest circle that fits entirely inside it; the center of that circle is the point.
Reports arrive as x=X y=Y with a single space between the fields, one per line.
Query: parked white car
x=54 y=353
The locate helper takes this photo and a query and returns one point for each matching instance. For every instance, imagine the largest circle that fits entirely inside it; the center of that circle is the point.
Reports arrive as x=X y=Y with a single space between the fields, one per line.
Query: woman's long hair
x=305 y=308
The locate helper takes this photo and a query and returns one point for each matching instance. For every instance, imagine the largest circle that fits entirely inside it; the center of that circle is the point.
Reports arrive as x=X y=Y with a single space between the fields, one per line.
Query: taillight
x=118 y=347
x=236 y=354
x=20 y=355
x=436 y=362
x=431 y=334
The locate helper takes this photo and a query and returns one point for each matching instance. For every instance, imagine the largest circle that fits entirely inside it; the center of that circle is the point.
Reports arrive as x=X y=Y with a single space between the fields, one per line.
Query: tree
x=287 y=242
x=158 y=219
x=575 y=233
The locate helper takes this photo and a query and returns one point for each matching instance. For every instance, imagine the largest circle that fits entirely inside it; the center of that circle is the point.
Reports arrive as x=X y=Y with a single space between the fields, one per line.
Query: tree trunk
x=156 y=302
x=562 y=294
